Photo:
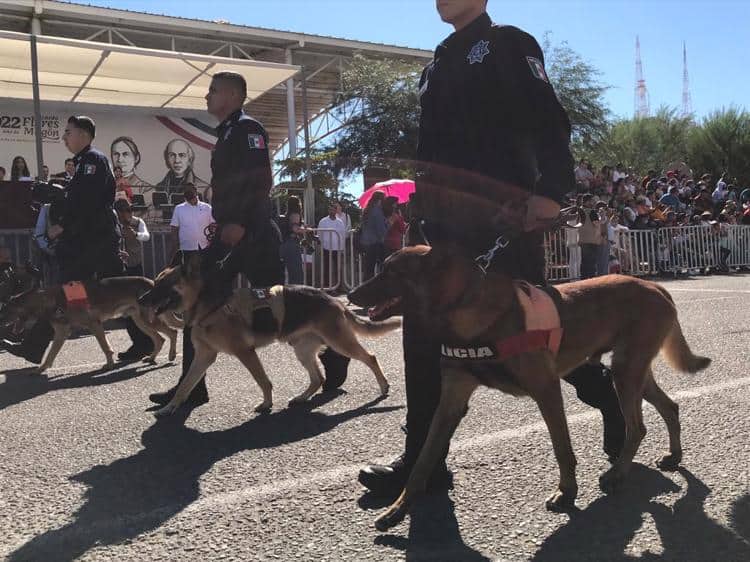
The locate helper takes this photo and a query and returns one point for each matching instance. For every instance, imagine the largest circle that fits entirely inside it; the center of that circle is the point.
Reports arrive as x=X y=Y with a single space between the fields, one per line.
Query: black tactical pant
x=524 y=259
x=140 y=340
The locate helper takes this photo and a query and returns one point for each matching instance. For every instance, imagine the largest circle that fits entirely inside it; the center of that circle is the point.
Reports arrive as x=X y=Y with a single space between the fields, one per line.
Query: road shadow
x=434 y=534
x=22 y=384
x=136 y=494
x=604 y=529
x=740 y=517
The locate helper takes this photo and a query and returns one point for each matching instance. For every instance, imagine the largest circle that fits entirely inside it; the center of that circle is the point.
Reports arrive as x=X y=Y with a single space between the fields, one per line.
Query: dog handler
x=88 y=238
x=489 y=117
x=246 y=239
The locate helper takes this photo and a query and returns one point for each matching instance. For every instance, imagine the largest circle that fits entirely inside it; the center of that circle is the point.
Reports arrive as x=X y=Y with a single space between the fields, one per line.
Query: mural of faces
x=179 y=157
x=125 y=155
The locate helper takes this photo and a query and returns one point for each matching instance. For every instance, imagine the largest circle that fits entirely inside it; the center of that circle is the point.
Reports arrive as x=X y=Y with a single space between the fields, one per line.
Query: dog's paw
x=669 y=462
x=384 y=390
x=149 y=360
x=263 y=407
x=561 y=501
x=108 y=366
x=172 y=355
x=167 y=410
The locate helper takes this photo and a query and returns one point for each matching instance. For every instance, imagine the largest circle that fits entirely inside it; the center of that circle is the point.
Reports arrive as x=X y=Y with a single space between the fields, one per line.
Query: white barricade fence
x=636 y=251
x=687 y=248
x=739 y=246
x=560 y=249
x=322 y=268
x=674 y=250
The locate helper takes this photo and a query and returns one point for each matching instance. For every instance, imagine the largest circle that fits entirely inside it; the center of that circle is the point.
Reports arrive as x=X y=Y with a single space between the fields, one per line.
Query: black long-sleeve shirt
x=241 y=173
x=491 y=122
x=88 y=218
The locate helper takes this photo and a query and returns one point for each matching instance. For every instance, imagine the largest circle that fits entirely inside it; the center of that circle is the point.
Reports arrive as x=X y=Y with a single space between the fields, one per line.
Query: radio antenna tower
x=687 y=102
x=641 y=93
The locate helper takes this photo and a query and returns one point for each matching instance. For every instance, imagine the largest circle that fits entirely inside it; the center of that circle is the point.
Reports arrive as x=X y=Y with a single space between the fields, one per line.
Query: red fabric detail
x=75 y=295
x=525 y=342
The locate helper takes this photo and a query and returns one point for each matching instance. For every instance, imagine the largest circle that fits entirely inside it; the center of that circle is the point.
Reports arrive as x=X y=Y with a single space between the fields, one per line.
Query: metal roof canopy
x=83 y=71
x=40 y=68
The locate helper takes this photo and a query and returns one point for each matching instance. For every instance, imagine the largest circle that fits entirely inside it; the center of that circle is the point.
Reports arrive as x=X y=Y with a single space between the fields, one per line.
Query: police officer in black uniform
x=491 y=129
x=87 y=236
x=246 y=239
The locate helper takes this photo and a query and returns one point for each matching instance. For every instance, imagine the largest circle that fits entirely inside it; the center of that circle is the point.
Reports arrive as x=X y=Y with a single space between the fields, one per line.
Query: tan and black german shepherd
x=115 y=297
x=457 y=301
x=304 y=317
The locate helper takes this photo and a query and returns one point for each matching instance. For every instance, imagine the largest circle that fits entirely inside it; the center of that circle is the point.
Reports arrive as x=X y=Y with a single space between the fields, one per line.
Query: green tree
x=385 y=131
x=722 y=145
x=324 y=179
x=580 y=91
x=644 y=143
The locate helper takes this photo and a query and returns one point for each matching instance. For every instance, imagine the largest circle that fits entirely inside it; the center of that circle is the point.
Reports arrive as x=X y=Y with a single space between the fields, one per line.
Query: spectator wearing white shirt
x=189 y=222
x=344 y=217
x=332 y=234
x=134 y=234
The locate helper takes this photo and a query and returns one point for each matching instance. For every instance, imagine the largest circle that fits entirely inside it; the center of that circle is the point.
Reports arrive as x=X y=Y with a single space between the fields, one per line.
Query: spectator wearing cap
x=134 y=234
x=671 y=199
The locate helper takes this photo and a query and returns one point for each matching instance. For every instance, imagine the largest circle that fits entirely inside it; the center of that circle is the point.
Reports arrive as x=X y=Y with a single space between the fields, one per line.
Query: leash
x=484 y=261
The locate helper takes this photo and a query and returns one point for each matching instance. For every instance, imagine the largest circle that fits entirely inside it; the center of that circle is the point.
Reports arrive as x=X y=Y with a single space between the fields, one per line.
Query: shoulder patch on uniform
x=256 y=141
x=478 y=52
x=89 y=169
x=537 y=69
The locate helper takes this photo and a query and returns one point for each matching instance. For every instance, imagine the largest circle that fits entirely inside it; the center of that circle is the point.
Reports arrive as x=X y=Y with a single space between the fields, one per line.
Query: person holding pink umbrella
x=372 y=234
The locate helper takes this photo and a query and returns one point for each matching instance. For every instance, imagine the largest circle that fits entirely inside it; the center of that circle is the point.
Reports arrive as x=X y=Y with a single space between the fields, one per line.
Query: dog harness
x=75 y=295
x=542 y=331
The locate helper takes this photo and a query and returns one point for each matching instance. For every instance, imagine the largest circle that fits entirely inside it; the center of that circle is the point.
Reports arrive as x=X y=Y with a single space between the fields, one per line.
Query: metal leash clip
x=223 y=261
x=485 y=260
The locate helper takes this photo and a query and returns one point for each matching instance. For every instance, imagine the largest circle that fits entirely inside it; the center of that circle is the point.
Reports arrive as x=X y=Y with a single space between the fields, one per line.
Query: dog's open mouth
x=385 y=310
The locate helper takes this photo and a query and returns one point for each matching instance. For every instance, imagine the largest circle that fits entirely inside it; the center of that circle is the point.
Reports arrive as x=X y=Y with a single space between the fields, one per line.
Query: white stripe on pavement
x=480 y=441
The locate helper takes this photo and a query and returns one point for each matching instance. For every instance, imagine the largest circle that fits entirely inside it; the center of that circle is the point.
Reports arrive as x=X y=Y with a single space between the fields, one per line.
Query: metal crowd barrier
x=640 y=252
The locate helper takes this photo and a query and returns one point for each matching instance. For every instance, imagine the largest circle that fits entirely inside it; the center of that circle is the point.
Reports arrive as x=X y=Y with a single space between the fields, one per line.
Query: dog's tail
x=678 y=353
x=369 y=328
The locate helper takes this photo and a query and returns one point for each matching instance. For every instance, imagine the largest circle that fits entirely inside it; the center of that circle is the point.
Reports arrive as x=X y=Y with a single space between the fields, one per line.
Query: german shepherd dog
x=459 y=302
x=304 y=317
x=110 y=298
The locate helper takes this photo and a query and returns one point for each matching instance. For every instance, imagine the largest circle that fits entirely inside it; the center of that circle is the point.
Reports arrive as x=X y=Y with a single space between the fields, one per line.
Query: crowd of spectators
x=618 y=199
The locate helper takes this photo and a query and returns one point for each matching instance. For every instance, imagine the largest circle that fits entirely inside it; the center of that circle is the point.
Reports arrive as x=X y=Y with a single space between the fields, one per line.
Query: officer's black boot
x=422 y=366
x=335 y=366
x=199 y=395
x=34 y=344
x=593 y=384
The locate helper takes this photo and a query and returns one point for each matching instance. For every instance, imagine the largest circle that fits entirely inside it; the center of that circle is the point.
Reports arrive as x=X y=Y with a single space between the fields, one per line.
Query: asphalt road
x=86 y=473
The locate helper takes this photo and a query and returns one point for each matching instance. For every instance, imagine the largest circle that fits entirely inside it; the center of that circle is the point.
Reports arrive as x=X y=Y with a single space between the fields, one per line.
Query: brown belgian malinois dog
x=459 y=302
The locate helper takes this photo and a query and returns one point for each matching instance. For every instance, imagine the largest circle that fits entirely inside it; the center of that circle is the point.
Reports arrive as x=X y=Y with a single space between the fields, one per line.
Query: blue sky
x=602 y=31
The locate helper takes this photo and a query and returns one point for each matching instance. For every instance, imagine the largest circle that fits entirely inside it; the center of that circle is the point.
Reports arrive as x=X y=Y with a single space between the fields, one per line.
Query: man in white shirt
x=344 y=217
x=189 y=222
x=332 y=234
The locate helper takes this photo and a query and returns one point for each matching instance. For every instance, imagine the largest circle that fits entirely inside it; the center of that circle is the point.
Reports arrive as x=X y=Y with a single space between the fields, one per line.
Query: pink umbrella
x=393 y=188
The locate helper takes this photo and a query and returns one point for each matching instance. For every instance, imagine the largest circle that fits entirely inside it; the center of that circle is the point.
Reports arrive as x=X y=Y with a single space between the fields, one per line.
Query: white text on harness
x=466 y=352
